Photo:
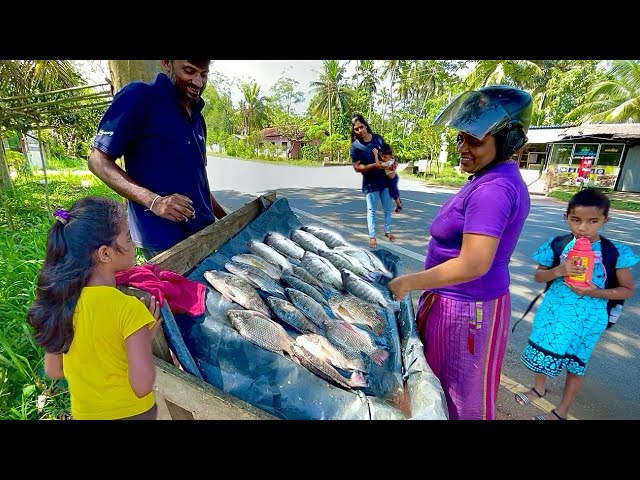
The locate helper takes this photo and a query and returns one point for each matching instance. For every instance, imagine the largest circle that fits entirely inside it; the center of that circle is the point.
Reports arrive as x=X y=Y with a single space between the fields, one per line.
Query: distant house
x=610 y=150
x=283 y=145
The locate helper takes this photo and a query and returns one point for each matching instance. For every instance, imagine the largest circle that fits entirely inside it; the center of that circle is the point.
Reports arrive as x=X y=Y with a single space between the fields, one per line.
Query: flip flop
x=399 y=208
x=524 y=400
x=390 y=236
x=542 y=417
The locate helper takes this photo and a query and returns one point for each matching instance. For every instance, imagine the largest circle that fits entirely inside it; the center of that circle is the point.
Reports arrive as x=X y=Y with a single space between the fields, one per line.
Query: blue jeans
x=372 y=206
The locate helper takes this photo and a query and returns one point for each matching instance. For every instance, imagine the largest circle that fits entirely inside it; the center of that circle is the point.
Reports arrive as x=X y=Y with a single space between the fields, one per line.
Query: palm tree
x=253 y=108
x=616 y=99
x=366 y=71
x=331 y=90
x=518 y=73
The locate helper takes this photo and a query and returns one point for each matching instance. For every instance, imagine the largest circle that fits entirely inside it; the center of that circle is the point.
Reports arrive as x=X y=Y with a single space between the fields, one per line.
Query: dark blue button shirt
x=164 y=150
x=373 y=180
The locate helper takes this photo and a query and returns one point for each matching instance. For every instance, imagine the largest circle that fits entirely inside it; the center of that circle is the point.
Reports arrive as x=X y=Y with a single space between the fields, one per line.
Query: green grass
x=565 y=193
x=22 y=379
x=66 y=163
x=447 y=177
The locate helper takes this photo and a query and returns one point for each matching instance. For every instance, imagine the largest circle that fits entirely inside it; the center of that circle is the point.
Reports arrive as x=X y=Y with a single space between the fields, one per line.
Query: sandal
x=372 y=242
x=390 y=236
x=543 y=417
x=523 y=399
x=399 y=208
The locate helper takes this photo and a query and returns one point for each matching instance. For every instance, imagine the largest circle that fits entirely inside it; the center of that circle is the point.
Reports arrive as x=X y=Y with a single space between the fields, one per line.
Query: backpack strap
x=610 y=256
x=557 y=246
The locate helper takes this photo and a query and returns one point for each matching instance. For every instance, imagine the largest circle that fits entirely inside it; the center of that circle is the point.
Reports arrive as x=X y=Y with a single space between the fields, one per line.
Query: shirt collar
x=165 y=84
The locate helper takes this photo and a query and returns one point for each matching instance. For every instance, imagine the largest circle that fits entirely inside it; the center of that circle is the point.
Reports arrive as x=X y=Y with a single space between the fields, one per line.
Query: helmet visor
x=474 y=113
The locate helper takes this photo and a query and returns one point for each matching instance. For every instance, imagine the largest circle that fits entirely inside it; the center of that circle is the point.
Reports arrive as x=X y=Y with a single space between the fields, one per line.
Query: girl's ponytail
x=71 y=243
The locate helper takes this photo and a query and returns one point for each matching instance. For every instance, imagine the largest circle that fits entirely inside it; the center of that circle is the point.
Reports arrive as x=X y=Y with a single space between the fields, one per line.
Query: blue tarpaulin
x=209 y=348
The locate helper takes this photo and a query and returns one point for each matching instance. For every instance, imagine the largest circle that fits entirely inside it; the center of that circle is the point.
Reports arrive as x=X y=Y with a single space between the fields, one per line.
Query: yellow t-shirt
x=96 y=365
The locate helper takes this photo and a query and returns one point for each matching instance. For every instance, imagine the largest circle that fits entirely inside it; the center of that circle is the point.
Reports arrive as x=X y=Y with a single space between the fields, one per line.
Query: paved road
x=331 y=197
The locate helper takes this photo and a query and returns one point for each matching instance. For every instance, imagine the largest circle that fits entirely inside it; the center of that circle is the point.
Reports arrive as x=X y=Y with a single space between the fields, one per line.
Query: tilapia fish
x=290 y=315
x=365 y=291
x=237 y=290
x=262 y=331
x=324 y=369
x=307 y=305
x=324 y=349
x=294 y=282
x=256 y=278
x=331 y=238
x=306 y=276
x=260 y=263
x=283 y=245
x=343 y=262
x=309 y=242
x=321 y=268
x=353 y=310
x=269 y=254
x=367 y=259
x=353 y=339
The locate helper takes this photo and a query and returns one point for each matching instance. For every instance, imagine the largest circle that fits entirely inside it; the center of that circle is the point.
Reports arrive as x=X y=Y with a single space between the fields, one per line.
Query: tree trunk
x=126 y=71
x=5 y=178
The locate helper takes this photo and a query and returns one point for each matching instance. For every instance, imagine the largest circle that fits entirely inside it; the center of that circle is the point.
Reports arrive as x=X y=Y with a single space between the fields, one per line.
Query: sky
x=265 y=72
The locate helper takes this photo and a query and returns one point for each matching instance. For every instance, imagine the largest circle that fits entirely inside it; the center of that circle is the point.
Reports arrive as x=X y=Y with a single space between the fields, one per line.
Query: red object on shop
x=585 y=167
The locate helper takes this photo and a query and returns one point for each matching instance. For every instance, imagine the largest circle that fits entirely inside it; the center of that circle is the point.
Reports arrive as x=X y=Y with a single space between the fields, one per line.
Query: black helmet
x=488 y=111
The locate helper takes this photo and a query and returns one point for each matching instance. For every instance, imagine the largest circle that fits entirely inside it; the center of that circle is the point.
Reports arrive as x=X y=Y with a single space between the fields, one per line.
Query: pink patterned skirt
x=464 y=343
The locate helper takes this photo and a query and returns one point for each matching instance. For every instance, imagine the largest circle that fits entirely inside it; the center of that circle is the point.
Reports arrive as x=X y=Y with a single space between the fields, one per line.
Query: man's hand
x=174 y=207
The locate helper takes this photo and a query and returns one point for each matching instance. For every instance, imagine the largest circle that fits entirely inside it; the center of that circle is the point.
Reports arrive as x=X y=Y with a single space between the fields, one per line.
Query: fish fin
x=379 y=356
x=357 y=380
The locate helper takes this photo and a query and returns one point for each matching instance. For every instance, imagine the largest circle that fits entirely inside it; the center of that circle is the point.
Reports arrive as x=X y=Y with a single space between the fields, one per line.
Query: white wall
x=630 y=175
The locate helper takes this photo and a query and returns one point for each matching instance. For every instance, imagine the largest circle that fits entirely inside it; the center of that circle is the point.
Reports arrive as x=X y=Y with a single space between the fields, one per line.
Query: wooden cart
x=180 y=395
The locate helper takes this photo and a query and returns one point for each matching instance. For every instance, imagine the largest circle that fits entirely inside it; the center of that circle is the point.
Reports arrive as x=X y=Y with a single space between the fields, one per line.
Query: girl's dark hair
x=385 y=149
x=358 y=118
x=590 y=197
x=92 y=222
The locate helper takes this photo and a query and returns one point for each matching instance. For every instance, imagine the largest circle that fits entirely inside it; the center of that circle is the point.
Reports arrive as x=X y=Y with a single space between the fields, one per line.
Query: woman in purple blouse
x=465 y=310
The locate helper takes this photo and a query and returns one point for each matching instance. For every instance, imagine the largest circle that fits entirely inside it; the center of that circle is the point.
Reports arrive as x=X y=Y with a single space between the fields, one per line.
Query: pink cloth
x=182 y=295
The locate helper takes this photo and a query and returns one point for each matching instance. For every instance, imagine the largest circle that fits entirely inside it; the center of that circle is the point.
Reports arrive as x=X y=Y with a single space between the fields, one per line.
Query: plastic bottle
x=581 y=254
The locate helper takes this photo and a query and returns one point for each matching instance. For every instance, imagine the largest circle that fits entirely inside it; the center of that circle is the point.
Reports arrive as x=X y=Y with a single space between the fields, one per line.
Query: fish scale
x=290 y=315
x=237 y=290
x=307 y=305
x=261 y=331
x=283 y=245
x=355 y=340
x=303 y=286
x=354 y=310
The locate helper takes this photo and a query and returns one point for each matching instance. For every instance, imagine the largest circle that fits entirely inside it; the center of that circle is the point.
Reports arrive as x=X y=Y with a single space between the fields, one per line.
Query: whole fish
x=343 y=262
x=324 y=349
x=269 y=254
x=324 y=369
x=260 y=263
x=237 y=290
x=365 y=291
x=353 y=339
x=306 y=276
x=256 y=278
x=294 y=282
x=331 y=238
x=321 y=268
x=309 y=242
x=290 y=315
x=358 y=268
x=307 y=305
x=353 y=310
x=261 y=331
x=283 y=245
x=367 y=259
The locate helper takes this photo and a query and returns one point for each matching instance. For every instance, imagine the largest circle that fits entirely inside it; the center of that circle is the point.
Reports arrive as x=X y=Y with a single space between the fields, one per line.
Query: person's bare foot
x=372 y=242
x=398 y=206
x=390 y=236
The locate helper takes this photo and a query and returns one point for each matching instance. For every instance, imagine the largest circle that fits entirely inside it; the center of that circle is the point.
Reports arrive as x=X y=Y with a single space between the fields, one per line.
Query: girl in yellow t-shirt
x=94 y=335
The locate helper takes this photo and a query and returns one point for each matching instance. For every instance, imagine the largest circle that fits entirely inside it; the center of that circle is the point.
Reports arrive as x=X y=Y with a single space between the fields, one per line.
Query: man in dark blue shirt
x=159 y=129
